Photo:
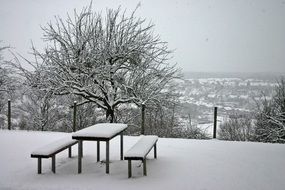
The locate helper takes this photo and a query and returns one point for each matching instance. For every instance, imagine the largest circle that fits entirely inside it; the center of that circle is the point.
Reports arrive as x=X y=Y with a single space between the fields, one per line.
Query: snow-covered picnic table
x=99 y=132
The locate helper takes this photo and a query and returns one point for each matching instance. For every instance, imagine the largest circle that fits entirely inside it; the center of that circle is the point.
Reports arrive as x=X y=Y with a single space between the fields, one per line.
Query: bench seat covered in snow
x=50 y=150
x=139 y=152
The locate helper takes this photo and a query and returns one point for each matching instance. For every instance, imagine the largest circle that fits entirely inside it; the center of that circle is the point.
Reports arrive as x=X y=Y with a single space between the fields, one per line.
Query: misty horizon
x=206 y=36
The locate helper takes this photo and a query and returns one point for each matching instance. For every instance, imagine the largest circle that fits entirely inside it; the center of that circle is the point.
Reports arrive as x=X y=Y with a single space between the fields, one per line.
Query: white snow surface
x=104 y=130
x=181 y=164
x=54 y=146
x=141 y=148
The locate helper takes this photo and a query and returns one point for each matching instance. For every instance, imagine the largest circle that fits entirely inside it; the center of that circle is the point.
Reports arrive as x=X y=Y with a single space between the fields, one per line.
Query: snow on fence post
x=215 y=122
x=143 y=120
x=9 y=114
x=74 y=116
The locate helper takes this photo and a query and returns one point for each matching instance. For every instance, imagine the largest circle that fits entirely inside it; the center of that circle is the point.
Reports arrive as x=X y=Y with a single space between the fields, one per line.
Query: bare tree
x=4 y=79
x=38 y=101
x=97 y=57
x=152 y=87
x=8 y=85
x=270 y=124
x=8 y=81
x=279 y=101
x=238 y=127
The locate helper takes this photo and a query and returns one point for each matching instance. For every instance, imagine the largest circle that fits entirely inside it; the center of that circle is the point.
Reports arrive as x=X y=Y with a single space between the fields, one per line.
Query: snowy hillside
x=181 y=164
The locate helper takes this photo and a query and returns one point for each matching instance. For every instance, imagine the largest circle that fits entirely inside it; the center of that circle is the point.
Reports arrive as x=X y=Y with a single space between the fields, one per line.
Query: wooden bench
x=139 y=152
x=50 y=150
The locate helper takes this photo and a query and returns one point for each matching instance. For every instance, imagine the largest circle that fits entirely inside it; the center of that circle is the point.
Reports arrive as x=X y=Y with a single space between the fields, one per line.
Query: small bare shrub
x=237 y=128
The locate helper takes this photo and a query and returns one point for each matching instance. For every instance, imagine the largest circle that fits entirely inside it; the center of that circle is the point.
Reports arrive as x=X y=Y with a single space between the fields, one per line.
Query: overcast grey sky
x=207 y=35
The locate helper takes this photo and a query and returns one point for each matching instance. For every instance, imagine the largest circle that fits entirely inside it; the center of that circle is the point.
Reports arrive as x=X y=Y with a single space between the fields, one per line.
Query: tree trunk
x=110 y=114
x=143 y=119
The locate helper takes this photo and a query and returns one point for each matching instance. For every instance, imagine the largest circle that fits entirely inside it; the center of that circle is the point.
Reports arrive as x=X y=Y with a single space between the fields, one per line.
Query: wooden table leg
x=79 y=156
x=70 y=151
x=122 y=146
x=144 y=167
x=98 y=151
x=155 y=154
x=53 y=163
x=39 y=165
x=107 y=156
x=129 y=168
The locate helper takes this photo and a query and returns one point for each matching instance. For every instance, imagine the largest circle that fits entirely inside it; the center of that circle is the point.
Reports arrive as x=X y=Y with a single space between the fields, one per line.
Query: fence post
x=74 y=116
x=143 y=120
x=215 y=122
x=9 y=114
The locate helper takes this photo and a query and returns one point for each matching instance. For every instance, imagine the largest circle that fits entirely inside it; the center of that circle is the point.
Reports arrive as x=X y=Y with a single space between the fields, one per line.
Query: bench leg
x=154 y=148
x=82 y=150
x=39 y=165
x=129 y=168
x=122 y=145
x=98 y=151
x=79 y=156
x=69 y=152
x=144 y=167
x=53 y=163
x=107 y=156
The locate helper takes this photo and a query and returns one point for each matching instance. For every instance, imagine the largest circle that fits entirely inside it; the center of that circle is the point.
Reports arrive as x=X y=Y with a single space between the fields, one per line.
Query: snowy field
x=181 y=164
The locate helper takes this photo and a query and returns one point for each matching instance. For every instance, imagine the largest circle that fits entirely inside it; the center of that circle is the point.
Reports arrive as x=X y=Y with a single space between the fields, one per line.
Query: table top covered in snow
x=101 y=130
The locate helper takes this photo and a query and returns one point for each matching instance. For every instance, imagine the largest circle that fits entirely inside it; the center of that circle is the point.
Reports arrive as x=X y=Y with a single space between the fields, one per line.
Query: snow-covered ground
x=181 y=164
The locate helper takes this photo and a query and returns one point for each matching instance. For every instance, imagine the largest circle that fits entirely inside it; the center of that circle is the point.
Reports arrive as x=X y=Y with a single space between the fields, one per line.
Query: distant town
x=231 y=93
